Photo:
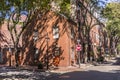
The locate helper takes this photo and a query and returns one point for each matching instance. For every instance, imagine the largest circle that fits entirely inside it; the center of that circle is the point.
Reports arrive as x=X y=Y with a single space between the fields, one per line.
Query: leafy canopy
x=112 y=13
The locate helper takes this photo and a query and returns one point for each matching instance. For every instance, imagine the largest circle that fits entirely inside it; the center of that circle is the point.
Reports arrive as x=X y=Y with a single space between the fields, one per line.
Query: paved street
x=106 y=71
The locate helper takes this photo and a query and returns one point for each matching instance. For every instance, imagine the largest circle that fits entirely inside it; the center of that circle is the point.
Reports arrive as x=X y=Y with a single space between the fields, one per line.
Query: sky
x=110 y=0
x=102 y=3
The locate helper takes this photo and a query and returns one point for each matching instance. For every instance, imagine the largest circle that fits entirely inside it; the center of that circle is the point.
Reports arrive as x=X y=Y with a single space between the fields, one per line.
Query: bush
x=40 y=65
x=100 y=59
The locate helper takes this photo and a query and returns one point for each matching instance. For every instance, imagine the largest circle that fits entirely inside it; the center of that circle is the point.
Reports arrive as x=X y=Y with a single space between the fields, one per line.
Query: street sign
x=78 y=47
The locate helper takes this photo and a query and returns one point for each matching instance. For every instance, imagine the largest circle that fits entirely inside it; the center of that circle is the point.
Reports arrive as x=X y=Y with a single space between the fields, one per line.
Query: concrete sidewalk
x=62 y=70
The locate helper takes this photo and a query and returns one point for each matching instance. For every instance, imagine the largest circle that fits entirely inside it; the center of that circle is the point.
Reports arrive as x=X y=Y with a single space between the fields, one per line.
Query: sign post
x=78 y=49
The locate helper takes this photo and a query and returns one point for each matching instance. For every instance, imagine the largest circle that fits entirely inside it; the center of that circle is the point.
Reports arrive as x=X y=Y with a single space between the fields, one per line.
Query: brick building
x=7 y=46
x=61 y=44
x=50 y=39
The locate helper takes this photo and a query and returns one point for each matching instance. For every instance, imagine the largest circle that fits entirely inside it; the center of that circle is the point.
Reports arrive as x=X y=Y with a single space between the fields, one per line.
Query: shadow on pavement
x=117 y=61
x=11 y=73
x=89 y=75
x=94 y=74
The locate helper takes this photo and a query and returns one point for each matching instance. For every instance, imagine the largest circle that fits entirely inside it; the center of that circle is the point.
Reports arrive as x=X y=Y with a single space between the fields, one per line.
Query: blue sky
x=111 y=0
x=104 y=2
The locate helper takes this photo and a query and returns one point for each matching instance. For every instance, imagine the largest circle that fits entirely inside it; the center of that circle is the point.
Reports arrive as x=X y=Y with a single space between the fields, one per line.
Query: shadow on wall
x=4 y=48
x=55 y=54
x=28 y=43
x=117 y=62
x=29 y=46
x=42 y=24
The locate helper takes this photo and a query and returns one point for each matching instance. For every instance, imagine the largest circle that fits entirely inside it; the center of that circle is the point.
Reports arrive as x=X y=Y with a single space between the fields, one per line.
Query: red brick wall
x=44 y=26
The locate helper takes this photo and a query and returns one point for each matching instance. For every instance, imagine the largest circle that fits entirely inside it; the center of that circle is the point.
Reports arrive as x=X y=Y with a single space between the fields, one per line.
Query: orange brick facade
x=64 y=42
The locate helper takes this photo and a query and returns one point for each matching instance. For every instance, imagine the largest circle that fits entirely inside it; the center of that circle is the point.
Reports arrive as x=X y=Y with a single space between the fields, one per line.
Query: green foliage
x=3 y=9
x=64 y=6
x=13 y=10
x=40 y=65
x=118 y=47
x=112 y=13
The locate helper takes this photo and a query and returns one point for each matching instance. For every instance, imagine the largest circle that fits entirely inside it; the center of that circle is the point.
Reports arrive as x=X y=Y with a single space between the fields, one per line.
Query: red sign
x=78 y=47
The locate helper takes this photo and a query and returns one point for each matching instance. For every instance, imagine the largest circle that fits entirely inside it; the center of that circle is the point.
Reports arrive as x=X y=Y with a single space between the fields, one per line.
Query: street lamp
x=35 y=38
x=47 y=58
x=78 y=41
x=35 y=35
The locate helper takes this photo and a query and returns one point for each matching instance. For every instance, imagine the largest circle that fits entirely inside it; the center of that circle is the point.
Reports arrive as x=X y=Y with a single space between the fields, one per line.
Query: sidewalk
x=62 y=70
x=32 y=73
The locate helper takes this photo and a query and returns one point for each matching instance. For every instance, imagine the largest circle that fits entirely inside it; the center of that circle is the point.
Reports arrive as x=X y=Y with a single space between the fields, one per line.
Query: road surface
x=106 y=71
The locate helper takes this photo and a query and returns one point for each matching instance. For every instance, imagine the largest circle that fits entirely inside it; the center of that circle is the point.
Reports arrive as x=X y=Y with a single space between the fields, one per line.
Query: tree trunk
x=111 y=46
x=88 y=47
x=85 y=53
x=16 y=56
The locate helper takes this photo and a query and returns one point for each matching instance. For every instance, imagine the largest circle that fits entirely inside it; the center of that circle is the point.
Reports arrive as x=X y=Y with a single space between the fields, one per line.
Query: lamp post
x=35 y=38
x=35 y=35
x=47 y=58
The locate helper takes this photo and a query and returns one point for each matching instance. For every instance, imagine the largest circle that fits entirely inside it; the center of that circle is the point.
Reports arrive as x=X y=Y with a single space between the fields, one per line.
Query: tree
x=61 y=7
x=87 y=19
x=112 y=14
x=13 y=11
x=3 y=7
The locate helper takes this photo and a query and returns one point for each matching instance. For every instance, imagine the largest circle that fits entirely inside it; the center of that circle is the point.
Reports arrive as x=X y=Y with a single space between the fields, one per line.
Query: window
x=55 y=32
x=98 y=27
x=97 y=37
x=72 y=33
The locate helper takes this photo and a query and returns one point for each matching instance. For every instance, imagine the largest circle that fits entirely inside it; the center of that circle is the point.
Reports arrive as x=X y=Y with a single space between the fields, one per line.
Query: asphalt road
x=106 y=71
